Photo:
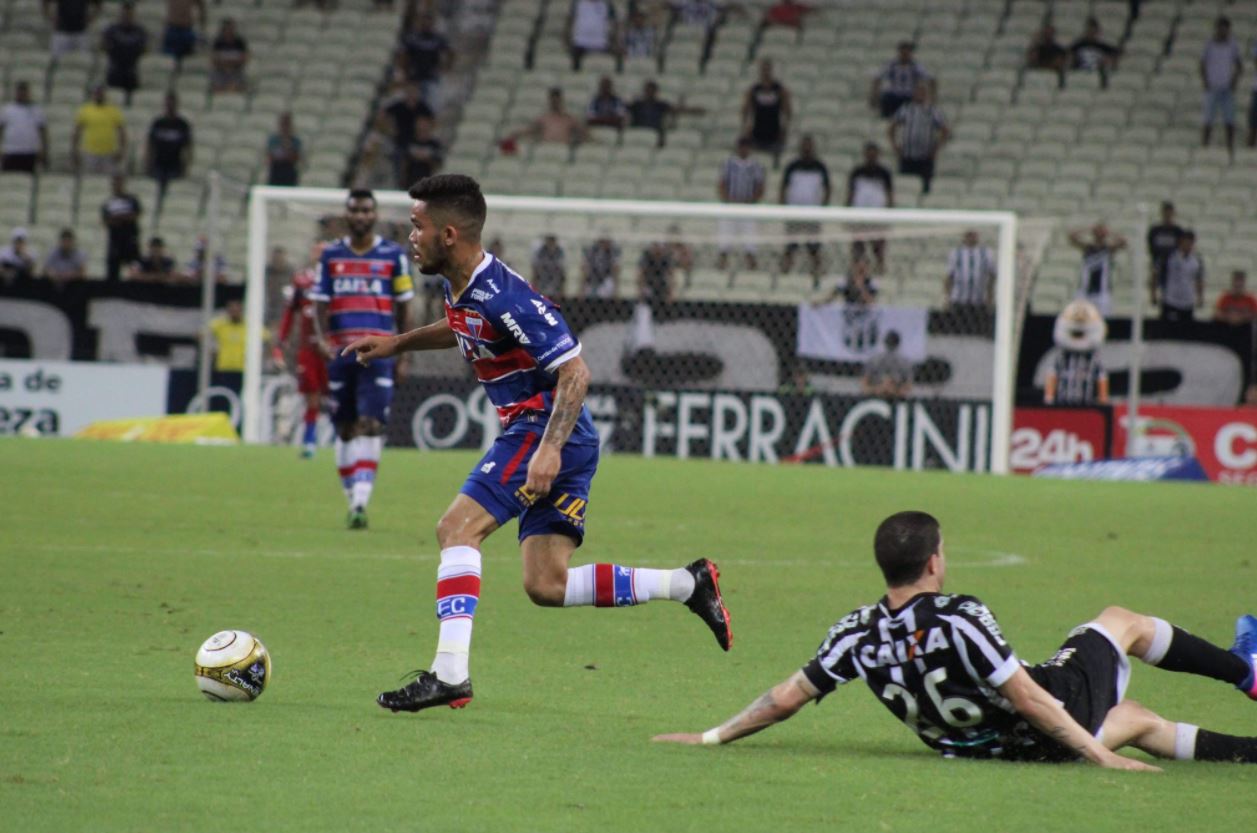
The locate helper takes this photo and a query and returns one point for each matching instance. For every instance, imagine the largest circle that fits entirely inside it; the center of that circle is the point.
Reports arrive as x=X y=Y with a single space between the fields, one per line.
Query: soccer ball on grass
x=232 y=665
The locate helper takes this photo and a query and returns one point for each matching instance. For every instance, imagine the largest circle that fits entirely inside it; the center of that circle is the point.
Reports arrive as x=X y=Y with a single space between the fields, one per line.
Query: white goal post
x=264 y=198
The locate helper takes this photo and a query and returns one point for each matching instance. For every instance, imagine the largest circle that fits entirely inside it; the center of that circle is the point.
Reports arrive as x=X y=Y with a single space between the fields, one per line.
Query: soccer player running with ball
x=362 y=288
x=538 y=470
x=942 y=666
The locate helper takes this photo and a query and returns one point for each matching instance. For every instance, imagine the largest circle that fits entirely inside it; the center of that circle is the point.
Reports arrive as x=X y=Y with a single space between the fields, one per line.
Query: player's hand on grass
x=1115 y=761
x=371 y=347
x=543 y=468
x=688 y=738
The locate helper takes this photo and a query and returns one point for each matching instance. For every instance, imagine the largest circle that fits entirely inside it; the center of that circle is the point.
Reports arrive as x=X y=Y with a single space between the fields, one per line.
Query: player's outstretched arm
x=434 y=336
x=779 y=703
x=1046 y=714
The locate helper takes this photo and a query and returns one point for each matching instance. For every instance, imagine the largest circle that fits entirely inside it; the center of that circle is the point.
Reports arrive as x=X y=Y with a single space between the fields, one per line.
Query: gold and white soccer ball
x=232 y=665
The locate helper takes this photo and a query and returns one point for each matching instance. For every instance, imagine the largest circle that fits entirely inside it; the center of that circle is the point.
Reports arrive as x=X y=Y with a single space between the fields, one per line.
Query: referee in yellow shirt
x=229 y=338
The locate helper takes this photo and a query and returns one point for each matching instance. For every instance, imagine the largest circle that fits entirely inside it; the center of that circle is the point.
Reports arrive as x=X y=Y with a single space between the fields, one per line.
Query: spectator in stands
x=706 y=13
x=1220 y=68
x=895 y=85
x=682 y=254
x=17 y=260
x=805 y=182
x=100 y=135
x=1237 y=305
x=404 y=113
x=870 y=185
x=656 y=282
x=606 y=109
x=123 y=43
x=888 y=374
x=66 y=261
x=1092 y=54
x=970 y=276
x=283 y=153
x=120 y=213
x=591 y=27
x=155 y=266
x=1252 y=104
x=1183 y=281
x=169 y=150
x=23 y=132
x=601 y=267
x=785 y=13
x=640 y=38
x=766 y=112
x=69 y=20
x=229 y=55
x=1045 y=52
x=650 y=111
x=917 y=132
x=1096 y=284
x=228 y=331
x=741 y=181
x=556 y=124
x=195 y=269
x=425 y=153
x=549 y=268
x=428 y=56
x=179 y=37
x=858 y=289
x=1162 y=241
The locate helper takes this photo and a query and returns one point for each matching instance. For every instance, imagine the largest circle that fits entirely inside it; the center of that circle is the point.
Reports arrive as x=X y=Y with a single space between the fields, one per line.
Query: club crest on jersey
x=474 y=325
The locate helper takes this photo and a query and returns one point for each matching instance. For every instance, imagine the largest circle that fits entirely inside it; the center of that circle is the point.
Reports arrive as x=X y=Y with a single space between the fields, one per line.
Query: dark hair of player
x=360 y=194
x=456 y=199
x=903 y=544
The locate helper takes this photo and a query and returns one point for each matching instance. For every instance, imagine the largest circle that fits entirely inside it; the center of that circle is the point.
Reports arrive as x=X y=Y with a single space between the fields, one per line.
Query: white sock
x=457 y=594
x=344 y=465
x=1162 y=634
x=1185 y=741
x=622 y=586
x=366 y=452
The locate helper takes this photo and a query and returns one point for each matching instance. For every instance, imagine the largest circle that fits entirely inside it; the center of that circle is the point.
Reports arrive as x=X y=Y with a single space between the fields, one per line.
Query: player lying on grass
x=540 y=467
x=941 y=665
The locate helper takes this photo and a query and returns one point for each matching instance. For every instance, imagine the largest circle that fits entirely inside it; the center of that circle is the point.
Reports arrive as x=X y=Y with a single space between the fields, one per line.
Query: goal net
x=756 y=333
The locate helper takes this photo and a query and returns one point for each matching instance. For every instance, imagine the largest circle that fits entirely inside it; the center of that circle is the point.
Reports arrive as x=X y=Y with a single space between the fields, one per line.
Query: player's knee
x=368 y=427
x=545 y=590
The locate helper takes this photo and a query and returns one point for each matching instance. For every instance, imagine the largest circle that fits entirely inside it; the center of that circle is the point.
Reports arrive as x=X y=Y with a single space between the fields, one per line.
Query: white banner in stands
x=855 y=333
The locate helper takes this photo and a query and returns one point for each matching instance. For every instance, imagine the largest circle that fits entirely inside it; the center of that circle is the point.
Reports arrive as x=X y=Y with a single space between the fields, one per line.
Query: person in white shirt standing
x=741 y=181
x=1096 y=283
x=591 y=28
x=1182 y=281
x=23 y=132
x=1220 y=67
x=805 y=182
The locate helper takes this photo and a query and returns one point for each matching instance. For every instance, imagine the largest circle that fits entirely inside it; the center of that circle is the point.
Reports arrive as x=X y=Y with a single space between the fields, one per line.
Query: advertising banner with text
x=59 y=398
x=1047 y=436
x=1223 y=439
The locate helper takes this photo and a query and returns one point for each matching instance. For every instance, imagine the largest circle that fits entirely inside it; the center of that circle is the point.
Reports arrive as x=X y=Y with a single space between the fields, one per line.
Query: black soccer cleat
x=425 y=692
x=357 y=518
x=707 y=602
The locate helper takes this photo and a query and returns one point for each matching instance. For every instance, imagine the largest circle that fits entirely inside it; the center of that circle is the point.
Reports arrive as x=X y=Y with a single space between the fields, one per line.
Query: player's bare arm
x=779 y=703
x=434 y=336
x=1046 y=714
x=323 y=326
x=569 y=399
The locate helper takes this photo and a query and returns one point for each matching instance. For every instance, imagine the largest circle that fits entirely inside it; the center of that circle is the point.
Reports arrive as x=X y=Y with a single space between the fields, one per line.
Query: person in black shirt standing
x=121 y=215
x=1091 y=54
x=428 y=54
x=425 y=153
x=169 y=149
x=1162 y=241
x=404 y=112
x=123 y=43
x=70 y=19
x=870 y=186
x=805 y=182
x=941 y=664
x=766 y=112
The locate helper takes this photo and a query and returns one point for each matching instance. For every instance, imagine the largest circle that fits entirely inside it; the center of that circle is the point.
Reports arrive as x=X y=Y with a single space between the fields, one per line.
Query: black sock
x=1211 y=746
x=1196 y=656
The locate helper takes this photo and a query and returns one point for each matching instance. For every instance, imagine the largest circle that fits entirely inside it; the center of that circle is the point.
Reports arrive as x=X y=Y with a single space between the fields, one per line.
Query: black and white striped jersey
x=920 y=125
x=936 y=664
x=1097 y=271
x=971 y=269
x=1078 y=375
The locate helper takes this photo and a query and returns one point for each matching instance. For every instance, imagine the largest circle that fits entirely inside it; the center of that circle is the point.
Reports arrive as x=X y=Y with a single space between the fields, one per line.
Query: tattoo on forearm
x=569 y=398
x=761 y=714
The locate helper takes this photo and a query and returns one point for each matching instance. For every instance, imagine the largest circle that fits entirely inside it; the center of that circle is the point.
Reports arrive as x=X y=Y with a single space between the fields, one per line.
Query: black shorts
x=1089 y=675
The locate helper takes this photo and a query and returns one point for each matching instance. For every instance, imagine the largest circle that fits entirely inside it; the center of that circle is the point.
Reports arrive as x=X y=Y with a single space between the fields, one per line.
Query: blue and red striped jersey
x=361 y=289
x=515 y=339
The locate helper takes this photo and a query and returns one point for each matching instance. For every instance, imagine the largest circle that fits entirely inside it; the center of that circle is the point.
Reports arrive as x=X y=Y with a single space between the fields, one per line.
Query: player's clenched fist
x=543 y=468
x=371 y=347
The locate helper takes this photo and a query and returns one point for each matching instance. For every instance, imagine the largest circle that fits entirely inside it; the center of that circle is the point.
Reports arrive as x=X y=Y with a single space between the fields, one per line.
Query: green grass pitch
x=116 y=561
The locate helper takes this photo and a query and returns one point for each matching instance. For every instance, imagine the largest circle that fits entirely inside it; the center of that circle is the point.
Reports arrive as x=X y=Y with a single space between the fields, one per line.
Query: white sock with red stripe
x=344 y=465
x=366 y=453
x=610 y=585
x=457 y=594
